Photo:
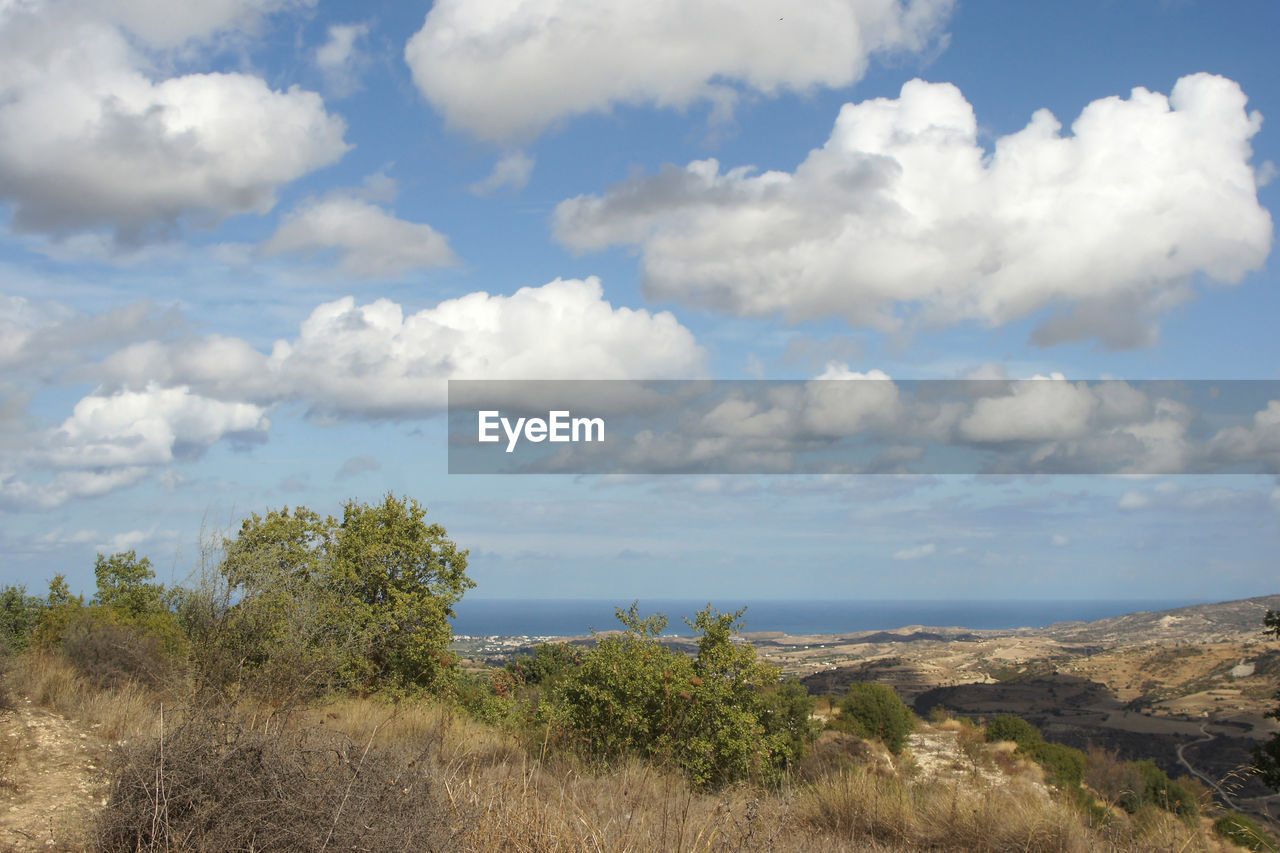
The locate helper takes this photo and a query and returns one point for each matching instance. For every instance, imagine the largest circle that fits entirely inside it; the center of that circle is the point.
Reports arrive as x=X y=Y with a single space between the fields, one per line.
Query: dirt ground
x=51 y=783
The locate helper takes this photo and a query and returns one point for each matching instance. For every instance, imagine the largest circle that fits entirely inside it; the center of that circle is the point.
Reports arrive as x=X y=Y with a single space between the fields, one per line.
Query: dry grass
x=367 y=774
x=505 y=800
x=1018 y=816
x=49 y=680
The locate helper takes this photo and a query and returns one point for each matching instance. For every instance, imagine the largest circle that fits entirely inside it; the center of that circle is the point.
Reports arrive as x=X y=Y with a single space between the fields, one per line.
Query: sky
x=243 y=248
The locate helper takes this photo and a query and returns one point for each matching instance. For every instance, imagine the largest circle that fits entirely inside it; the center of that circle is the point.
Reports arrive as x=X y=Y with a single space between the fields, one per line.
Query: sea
x=486 y=617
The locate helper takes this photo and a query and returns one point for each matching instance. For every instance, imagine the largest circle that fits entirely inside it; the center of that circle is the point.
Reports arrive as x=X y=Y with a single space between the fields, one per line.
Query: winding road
x=1182 y=758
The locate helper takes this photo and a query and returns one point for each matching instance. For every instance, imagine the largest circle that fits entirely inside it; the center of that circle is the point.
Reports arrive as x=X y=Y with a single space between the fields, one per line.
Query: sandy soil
x=55 y=784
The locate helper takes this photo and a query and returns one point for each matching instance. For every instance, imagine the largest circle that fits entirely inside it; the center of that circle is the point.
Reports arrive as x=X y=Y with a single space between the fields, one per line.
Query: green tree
x=788 y=713
x=403 y=577
x=124 y=586
x=61 y=608
x=19 y=614
x=314 y=602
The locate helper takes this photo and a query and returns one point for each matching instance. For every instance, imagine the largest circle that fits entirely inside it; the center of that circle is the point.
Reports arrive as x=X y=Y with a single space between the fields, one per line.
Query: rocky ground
x=51 y=784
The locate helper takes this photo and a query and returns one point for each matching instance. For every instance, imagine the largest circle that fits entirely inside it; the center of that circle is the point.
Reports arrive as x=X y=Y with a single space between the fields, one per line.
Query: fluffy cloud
x=149 y=427
x=167 y=401
x=369 y=241
x=501 y=70
x=902 y=214
x=372 y=360
x=89 y=140
x=112 y=440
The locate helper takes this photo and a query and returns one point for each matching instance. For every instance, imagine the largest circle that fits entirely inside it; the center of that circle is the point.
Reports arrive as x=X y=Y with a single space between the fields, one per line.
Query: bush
x=876 y=711
x=1063 y=764
x=6 y=664
x=549 y=663
x=19 y=614
x=109 y=653
x=217 y=785
x=704 y=715
x=788 y=713
x=1013 y=728
x=1113 y=779
x=61 y=608
x=1159 y=790
x=1244 y=831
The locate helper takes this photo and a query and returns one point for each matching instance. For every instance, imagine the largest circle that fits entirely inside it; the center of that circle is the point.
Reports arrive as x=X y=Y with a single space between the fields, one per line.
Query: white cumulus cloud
x=903 y=215
x=91 y=138
x=148 y=427
x=505 y=69
x=115 y=439
x=374 y=360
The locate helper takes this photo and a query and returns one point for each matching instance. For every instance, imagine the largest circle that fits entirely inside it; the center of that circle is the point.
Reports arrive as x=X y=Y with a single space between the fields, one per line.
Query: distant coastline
x=576 y=617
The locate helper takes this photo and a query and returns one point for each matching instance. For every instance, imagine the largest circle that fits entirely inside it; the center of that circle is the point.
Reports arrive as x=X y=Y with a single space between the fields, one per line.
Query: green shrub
x=549 y=663
x=1013 y=728
x=788 y=712
x=1244 y=831
x=1065 y=764
x=705 y=715
x=1159 y=790
x=61 y=608
x=876 y=711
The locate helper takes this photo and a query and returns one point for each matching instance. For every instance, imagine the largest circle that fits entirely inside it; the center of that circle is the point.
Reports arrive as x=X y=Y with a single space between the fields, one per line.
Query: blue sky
x=242 y=250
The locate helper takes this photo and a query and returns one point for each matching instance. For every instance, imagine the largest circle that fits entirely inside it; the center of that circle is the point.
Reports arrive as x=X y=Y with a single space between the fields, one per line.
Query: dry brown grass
x=506 y=800
x=50 y=681
x=418 y=775
x=1018 y=816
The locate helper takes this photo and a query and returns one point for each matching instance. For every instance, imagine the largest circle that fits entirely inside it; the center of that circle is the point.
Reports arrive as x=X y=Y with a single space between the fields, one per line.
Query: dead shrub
x=1116 y=781
x=110 y=654
x=213 y=784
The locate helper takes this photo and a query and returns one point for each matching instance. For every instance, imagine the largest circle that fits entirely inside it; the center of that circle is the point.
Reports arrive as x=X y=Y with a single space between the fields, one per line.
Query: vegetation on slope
x=300 y=694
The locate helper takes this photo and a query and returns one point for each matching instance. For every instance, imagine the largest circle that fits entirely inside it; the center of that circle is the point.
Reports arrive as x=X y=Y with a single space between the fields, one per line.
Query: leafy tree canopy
x=365 y=600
